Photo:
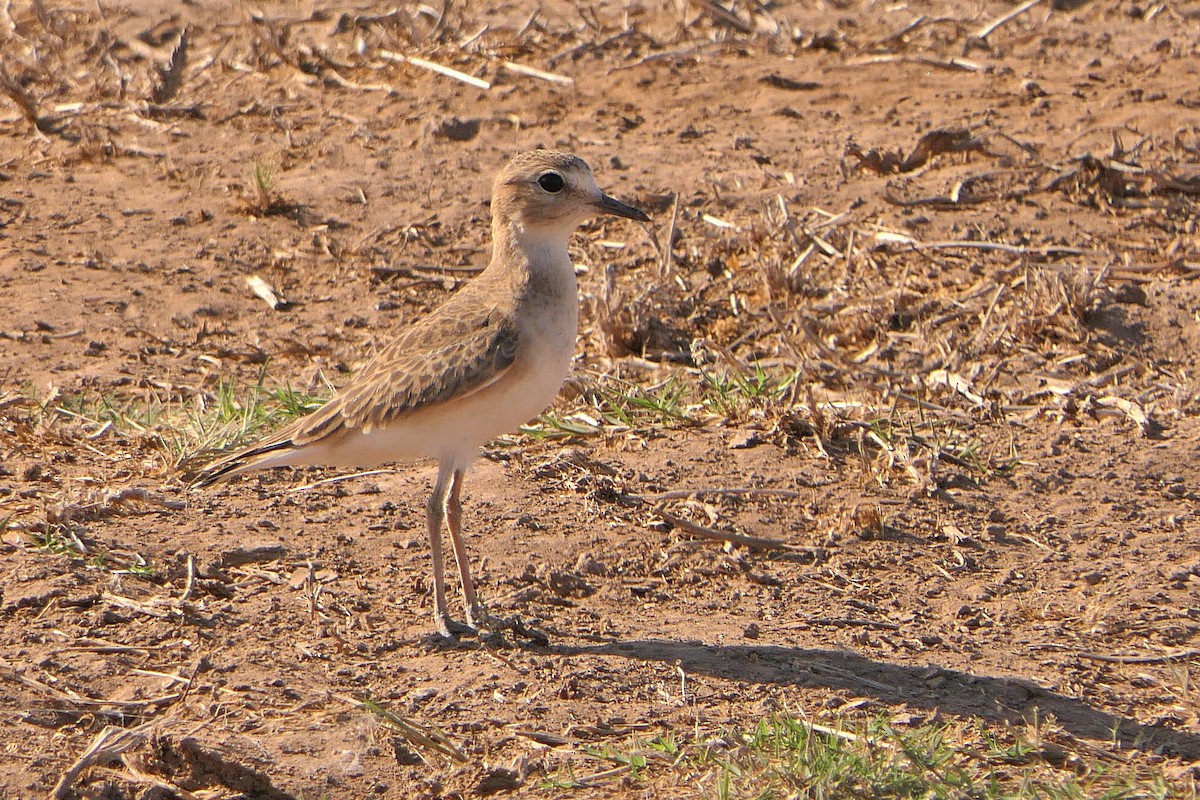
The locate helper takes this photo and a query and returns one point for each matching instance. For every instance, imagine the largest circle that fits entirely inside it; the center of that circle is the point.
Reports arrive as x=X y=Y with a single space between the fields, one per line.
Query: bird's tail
x=202 y=473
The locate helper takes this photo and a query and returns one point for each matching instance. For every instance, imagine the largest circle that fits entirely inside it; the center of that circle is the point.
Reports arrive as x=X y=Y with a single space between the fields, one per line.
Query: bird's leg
x=477 y=616
x=435 y=512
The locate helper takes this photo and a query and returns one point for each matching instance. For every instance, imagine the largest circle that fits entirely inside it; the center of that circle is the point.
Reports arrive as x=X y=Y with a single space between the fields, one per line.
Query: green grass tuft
x=787 y=757
x=181 y=428
x=59 y=541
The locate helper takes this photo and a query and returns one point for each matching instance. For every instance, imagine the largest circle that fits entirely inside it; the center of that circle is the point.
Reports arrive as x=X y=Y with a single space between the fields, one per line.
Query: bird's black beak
x=611 y=205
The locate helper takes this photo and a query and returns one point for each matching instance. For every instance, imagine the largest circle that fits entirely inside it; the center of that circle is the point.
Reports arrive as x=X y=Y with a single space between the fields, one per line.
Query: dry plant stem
x=844 y=622
x=88 y=645
x=433 y=740
x=21 y=336
x=24 y=101
x=339 y=478
x=137 y=775
x=448 y=72
x=11 y=673
x=987 y=30
x=534 y=72
x=668 y=256
x=958 y=64
x=600 y=777
x=154 y=606
x=729 y=358
x=171 y=78
x=335 y=76
x=125 y=602
x=1179 y=655
x=190 y=583
x=752 y=542
x=925 y=405
x=592 y=46
x=108 y=745
x=922 y=21
x=110 y=502
x=851 y=675
x=1008 y=248
x=687 y=494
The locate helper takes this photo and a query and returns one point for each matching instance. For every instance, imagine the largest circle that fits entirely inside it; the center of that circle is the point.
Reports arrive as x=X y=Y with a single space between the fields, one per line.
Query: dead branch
x=1178 y=655
x=921 y=21
x=1040 y=252
x=23 y=99
x=668 y=250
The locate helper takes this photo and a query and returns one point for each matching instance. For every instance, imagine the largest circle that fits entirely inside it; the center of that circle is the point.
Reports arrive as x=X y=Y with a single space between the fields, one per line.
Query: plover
x=490 y=358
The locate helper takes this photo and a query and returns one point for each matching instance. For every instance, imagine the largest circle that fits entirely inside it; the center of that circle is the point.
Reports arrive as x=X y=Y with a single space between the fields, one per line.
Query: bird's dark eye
x=552 y=182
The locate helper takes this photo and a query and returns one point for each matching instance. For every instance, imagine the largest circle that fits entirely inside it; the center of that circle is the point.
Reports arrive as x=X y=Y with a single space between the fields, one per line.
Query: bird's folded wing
x=439 y=359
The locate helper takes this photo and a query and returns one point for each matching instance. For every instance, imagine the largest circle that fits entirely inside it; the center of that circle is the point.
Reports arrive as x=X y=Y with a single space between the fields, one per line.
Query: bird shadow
x=995 y=698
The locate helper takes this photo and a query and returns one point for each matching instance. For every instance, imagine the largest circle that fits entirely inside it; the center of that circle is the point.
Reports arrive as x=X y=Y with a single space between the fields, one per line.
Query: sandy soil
x=975 y=249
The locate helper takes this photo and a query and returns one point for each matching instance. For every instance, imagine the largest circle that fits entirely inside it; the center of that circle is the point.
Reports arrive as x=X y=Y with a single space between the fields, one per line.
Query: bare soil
x=984 y=474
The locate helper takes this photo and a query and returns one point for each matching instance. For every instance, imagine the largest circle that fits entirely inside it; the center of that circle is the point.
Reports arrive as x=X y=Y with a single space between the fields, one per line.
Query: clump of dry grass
x=966 y=334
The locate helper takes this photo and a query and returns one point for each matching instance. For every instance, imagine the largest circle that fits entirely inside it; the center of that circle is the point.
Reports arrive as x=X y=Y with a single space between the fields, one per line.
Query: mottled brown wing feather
x=442 y=356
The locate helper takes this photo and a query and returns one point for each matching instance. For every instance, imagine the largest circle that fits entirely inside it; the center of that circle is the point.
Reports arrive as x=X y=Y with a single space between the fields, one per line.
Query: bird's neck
x=540 y=253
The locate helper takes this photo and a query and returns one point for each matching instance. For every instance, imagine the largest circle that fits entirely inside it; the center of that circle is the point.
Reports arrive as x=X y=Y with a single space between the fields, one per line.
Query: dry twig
x=108 y=505
x=432 y=66
x=689 y=527
x=24 y=101
x=534 y=72
x=1178 y=655
x=686 y=494
x=668 y=250
x=956 y=64
x=934 y=143
x=987 y=29
x=432 y=739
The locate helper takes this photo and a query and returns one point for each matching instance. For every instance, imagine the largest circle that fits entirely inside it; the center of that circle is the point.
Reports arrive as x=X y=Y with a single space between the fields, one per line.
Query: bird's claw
x=487 y=628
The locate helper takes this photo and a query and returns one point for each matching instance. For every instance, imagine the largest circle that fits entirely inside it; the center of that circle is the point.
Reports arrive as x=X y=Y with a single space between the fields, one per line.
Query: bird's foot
x=485 y=628
x=450 y=630
x=491 y=628
x=480 y=628
x=478 y=618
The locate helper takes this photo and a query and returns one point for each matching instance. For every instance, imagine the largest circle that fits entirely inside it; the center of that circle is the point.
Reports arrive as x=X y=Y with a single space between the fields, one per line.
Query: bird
x=487 y=360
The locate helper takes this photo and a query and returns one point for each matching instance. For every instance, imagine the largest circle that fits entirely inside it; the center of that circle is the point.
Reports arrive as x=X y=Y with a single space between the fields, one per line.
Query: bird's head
x=547 y=190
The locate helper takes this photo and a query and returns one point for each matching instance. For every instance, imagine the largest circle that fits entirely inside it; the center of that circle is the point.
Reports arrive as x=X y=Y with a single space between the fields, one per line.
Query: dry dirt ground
x=961 y=262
